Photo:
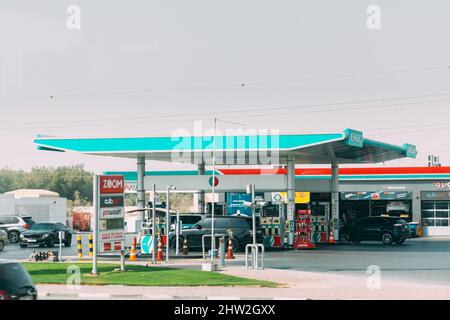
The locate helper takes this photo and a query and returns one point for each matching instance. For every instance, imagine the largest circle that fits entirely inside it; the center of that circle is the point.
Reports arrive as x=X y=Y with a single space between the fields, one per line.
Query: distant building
x=83 y=218
x=42 y=205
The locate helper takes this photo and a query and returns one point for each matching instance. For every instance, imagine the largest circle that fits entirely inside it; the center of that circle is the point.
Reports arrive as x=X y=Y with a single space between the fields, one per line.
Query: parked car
x=385 y=229
x=415 y=229
x=3 y=239
x=46 y=233
x=188 y=220
x=15 y=282
x=15 y=225
x=241 y=227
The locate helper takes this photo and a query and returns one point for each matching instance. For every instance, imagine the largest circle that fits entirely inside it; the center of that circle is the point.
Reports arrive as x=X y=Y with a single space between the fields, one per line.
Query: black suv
x=241 y=227
x=385 y=229
x=46 y=233
x=15 y=282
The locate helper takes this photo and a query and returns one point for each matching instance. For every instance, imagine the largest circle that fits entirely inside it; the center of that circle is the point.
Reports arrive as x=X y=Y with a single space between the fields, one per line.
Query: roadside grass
x=57 y=273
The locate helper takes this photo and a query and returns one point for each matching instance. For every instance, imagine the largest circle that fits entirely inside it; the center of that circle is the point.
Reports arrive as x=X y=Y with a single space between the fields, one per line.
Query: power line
x=172 y=116
x=225 y=85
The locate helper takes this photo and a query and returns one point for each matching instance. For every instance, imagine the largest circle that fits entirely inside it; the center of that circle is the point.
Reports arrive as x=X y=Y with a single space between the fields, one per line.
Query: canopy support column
x=201 y=194
x=140 y=184
x=290 y=197
x=335 y=198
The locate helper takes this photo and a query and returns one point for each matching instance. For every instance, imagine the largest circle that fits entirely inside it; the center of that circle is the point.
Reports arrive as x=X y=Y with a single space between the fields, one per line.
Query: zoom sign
x=110 y=214
x=112 y=184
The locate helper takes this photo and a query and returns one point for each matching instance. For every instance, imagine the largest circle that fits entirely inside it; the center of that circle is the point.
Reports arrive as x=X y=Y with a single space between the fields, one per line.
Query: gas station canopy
x=348 y=147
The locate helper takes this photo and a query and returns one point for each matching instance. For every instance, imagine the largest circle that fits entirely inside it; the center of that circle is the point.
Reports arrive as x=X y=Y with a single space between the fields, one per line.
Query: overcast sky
x=144 y=68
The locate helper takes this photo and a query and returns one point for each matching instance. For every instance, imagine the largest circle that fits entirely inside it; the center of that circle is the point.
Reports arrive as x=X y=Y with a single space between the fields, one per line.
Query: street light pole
x=154 y=224
x=167 y=221
x=213 y=242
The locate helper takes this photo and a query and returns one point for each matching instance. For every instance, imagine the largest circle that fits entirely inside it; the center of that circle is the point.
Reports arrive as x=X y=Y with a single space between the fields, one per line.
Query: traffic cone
x=133 y=250
x=331 y=241
x=185 y=247
x=159 y=256
x=230 y=250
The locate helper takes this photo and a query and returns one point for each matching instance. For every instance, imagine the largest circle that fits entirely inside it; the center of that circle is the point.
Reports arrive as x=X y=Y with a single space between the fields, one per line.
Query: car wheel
x=22 y=245
x=387 y=238
x=346 y=238
x=13 y=236
x=400 y=242
x=2 y=245
x=50 y=242
x=173 y=246
x=68 y=241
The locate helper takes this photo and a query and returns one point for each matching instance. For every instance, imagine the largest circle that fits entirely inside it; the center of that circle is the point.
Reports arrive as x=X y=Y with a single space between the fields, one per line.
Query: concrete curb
x=93 y=296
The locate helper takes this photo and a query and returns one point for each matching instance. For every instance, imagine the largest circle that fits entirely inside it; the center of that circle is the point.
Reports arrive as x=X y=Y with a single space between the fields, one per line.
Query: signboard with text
x=110 y=214
x=300 y=197
x=381 y=195
x=354 y=138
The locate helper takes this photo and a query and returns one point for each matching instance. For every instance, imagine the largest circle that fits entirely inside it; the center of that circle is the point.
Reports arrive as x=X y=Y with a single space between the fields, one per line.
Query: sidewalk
x=296 y=285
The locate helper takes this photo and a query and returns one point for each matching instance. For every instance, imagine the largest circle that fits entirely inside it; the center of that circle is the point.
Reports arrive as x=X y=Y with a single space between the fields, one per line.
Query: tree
x=71 y=182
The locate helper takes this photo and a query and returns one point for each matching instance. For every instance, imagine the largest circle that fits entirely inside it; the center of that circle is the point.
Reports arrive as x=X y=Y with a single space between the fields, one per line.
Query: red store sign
x=112 y=184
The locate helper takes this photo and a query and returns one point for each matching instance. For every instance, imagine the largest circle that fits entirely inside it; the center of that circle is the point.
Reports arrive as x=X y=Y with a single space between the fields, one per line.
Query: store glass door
x=436 y=213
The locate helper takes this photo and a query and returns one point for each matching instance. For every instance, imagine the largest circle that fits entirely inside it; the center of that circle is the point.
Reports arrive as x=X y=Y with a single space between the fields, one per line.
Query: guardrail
x=254 y=256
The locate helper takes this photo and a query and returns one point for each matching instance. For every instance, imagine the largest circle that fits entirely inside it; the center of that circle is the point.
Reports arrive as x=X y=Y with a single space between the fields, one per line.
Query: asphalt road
x=418 y=260
x=13 y=251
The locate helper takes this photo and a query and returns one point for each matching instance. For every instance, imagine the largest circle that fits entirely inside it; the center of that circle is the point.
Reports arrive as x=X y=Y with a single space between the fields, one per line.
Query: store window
x=436 y=214
x=436 y=209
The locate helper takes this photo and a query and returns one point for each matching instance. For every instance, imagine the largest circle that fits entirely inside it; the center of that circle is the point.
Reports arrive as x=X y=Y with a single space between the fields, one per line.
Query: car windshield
x=205 y=223
x=14 y=276
x=43 y=227
x=29 y=220
x=190 y=220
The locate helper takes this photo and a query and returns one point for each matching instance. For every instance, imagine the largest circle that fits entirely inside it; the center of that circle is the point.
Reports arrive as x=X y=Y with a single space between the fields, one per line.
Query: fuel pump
x=147 y=230
x=272 y=224
x=303 y=228
x=320 y=215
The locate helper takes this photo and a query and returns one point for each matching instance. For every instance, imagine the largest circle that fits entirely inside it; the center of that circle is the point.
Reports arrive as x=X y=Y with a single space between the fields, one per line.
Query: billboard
x=110 y=214
x=380 y=195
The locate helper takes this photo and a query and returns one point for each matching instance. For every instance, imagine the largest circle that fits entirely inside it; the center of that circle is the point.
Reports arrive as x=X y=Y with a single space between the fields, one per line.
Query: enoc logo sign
x=112 y=184
x=355 y=138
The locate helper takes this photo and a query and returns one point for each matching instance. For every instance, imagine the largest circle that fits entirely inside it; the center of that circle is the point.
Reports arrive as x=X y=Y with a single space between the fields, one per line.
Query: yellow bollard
x=91 y=245
x=80 y=248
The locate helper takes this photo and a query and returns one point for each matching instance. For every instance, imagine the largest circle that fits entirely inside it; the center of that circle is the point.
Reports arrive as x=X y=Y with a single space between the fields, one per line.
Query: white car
x=15 y=225
x=3 y=239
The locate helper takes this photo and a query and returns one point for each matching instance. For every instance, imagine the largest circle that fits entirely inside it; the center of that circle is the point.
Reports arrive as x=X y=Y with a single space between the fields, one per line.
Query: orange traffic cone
x=230 y=250
x=331 y=236
x=159 y=256
x=133 y=250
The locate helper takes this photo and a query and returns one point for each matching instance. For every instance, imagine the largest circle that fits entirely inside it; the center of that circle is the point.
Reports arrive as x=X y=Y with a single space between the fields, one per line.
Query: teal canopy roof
x=347 y=147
